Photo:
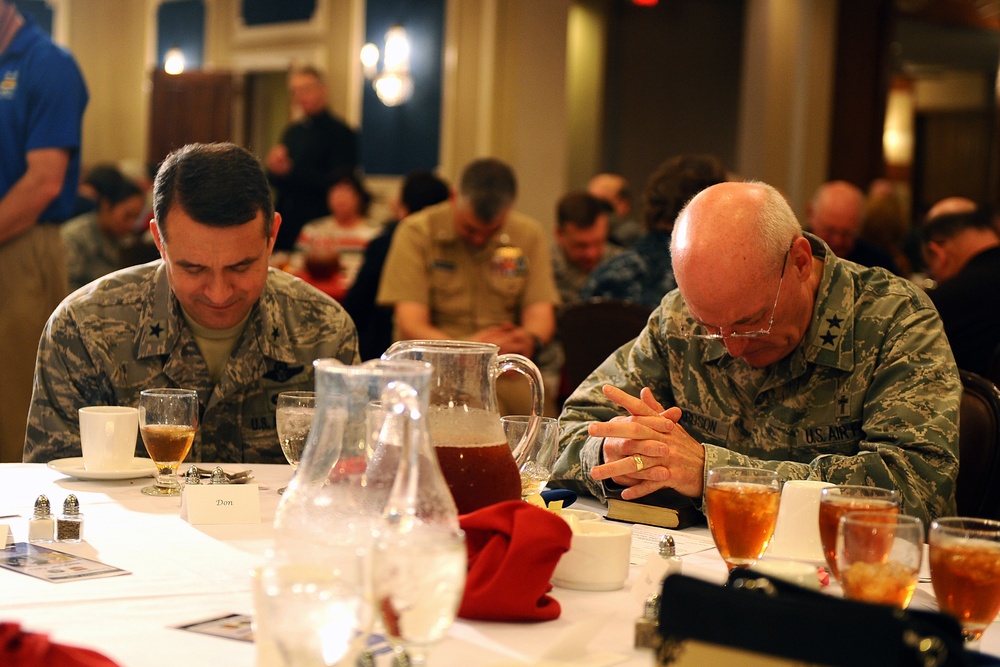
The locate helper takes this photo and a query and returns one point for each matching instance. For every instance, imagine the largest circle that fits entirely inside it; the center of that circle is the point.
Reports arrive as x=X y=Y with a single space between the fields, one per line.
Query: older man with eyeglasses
x=772 y=353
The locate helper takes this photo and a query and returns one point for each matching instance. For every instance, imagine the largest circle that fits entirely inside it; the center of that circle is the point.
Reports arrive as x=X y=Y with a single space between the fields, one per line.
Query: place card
x=220 y=503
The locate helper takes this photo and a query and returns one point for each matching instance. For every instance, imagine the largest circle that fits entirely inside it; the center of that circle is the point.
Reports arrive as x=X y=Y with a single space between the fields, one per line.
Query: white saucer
x=74 y=468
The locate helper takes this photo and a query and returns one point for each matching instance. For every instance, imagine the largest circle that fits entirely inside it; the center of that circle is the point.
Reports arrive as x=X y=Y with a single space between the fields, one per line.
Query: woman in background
x=95 y=241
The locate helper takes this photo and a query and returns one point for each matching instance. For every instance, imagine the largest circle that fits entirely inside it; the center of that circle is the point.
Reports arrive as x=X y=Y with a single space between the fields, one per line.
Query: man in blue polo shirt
x=42 y=99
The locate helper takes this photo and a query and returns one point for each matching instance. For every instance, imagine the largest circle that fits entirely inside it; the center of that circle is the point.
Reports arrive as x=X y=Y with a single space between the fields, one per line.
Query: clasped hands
x=648 y=450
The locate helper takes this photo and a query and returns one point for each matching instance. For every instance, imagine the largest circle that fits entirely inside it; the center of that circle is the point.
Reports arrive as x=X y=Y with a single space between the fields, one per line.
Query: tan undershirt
x=215 y=344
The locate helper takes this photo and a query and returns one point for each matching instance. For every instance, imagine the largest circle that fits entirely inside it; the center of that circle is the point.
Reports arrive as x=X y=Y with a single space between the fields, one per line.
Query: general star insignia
x=156 y=329
x=834 y=321
x=275 y=334
x=828 y=339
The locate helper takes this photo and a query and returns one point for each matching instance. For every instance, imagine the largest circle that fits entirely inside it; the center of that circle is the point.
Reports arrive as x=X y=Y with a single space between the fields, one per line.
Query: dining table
x=181 y=573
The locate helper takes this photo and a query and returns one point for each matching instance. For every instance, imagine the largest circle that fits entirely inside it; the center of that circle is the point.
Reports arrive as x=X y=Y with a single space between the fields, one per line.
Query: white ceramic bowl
x=598 y=557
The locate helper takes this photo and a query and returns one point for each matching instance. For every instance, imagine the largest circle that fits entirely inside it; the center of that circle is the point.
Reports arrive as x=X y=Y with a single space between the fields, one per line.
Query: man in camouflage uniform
x=209 y=316
x=819 y=369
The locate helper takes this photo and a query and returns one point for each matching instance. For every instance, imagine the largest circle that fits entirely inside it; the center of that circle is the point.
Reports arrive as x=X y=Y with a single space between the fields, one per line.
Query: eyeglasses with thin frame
x=696 y=330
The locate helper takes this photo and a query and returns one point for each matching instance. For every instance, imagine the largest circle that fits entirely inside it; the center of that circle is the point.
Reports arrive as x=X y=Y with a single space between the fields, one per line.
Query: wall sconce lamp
x=393 y=84
x=173 y=61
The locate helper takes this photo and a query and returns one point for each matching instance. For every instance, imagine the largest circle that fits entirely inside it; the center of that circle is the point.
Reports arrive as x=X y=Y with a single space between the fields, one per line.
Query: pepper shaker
x=647 y=633
x=41 y=526
x=219 y=476
x=69 y=524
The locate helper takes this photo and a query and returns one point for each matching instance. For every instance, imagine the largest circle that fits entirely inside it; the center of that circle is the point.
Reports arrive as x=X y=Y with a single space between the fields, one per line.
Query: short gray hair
x=777 y=224
x=488 y=186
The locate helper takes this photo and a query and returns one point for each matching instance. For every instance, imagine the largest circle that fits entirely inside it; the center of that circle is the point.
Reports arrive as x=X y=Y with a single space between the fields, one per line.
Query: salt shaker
x=69 y=524
x=218 y=476
x=193 y=476
x=657 y=569
x=41 y=526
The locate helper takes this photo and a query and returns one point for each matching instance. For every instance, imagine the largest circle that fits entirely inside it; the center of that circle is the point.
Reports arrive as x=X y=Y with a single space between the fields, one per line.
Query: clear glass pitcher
x=365 y=416
x=464 y=419
x=368 y=480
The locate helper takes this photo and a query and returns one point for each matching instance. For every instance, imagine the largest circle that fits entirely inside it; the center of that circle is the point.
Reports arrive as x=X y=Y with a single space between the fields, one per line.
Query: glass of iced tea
x=836 y=501
x=965 y=571
x=167 y=422
x=742 y=509
x=879 y=556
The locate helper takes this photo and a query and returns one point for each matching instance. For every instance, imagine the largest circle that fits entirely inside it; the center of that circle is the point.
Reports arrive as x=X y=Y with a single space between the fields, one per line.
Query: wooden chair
x=591 y=330
x=993 y=372
x=978 y=486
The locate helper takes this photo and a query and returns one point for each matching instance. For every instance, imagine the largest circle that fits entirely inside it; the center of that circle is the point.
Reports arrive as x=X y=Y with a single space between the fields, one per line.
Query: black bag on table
x=760 y=620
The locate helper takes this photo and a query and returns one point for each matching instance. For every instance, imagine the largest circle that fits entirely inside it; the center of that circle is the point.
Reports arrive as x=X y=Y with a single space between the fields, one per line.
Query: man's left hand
x=651 y=439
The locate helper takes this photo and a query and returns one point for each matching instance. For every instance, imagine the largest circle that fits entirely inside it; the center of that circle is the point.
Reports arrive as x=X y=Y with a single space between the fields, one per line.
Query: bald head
x=738 y=228
x=613 y=189
x=730 y=249
x=835 y=215
x=951 y=206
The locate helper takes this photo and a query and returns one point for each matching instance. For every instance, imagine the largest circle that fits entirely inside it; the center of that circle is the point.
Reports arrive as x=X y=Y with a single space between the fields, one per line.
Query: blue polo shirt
x=42 y=99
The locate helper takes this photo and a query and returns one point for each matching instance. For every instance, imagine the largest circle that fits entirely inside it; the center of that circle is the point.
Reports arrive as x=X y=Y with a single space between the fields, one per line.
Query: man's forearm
x=21 y=206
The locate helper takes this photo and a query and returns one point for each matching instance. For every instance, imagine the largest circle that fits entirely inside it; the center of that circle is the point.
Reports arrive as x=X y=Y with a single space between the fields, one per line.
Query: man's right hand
x=278 y=162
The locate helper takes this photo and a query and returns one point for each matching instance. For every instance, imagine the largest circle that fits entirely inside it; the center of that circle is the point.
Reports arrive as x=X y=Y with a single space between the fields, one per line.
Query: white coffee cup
x=796 y=534
x=598 y=557
x=108 y=436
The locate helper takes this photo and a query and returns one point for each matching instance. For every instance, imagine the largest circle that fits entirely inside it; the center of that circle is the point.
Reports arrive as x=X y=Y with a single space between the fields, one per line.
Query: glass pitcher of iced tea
x=464 y=420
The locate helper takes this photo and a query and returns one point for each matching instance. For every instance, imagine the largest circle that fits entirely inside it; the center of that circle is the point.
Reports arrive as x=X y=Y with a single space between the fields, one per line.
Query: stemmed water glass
x=536 y=458
x=419 y=580
x=294 y=417
x=168 y=419
x=964 y=557
x=742 y=509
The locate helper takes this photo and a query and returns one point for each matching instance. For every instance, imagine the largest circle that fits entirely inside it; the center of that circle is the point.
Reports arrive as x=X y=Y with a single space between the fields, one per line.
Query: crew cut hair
x=488 y=186
x=220 y=185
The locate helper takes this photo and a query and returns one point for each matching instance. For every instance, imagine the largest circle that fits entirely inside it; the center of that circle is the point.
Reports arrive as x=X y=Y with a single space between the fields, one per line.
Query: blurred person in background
x=420 y=189
x=581 y=242
x=311 y=148
x=644 y=273
x=886 y=224
x=95 y=242
x=475 y=269
x=962 y=252
x=836 y=213
x=337 y=242
x=623 y=229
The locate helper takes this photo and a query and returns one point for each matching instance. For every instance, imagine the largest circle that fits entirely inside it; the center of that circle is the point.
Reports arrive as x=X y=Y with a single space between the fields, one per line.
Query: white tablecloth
x=183 y=573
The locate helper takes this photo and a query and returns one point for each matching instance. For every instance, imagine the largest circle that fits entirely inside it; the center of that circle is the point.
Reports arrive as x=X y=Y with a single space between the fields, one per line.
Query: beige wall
x=111 y=54
x=787 y=89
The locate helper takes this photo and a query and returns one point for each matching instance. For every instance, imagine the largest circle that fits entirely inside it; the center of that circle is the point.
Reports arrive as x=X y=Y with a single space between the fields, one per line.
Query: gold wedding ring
x=639 y=465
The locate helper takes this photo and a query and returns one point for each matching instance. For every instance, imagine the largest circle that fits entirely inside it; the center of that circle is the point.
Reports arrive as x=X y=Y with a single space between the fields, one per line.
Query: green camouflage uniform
x=90 y=254
x=870 y=396
x=125 y=333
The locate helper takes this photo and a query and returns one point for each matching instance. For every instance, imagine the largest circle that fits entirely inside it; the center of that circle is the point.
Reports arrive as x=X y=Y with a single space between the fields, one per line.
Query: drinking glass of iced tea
x=879 y=556
x=742 y=509
x=836 y=501
x=965 y=571
x=167 y=422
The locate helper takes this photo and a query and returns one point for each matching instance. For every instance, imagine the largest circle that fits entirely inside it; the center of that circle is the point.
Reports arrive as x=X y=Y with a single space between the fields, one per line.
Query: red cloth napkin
x=29 y=649
x=513 y=548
